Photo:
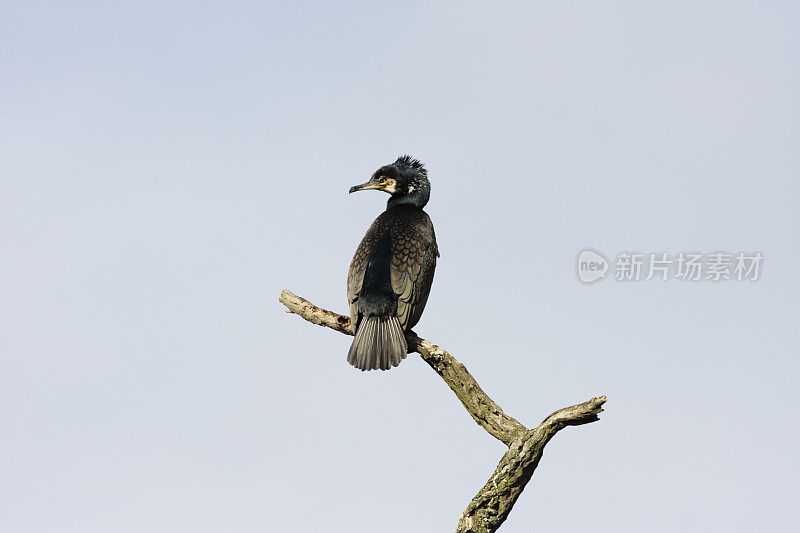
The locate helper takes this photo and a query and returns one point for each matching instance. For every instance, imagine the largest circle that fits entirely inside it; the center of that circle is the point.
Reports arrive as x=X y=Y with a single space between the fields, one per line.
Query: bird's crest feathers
x=416 y=164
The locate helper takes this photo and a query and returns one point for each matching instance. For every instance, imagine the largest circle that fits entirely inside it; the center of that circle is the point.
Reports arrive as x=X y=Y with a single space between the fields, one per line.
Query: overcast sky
x=166 y=169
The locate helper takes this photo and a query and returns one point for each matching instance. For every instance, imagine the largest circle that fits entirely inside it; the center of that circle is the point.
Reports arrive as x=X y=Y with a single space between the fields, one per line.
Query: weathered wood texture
x=490 y=507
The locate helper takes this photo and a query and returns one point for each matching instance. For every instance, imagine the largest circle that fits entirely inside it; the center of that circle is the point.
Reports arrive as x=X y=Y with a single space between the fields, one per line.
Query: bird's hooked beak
x=383 y=184
x=366 y=186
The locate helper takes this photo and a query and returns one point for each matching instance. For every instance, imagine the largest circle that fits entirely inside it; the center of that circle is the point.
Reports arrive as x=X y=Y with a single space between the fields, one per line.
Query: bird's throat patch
x=390 y=185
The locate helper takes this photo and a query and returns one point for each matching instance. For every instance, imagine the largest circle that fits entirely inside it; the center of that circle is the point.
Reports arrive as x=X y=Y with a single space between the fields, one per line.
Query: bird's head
x=406 y=180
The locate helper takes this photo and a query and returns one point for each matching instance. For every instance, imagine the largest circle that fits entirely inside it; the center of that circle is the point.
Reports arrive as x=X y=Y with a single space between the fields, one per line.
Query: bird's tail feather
x=380 y=343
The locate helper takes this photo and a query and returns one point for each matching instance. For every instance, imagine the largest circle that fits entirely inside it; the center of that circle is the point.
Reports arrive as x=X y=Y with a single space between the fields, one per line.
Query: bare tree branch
x=490 y=507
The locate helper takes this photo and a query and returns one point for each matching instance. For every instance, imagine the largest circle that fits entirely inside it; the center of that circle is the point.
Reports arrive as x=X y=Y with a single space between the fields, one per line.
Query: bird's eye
x=382 y=180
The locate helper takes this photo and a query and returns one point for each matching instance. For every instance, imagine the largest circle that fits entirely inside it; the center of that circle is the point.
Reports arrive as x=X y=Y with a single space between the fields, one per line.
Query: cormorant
x=391 y=273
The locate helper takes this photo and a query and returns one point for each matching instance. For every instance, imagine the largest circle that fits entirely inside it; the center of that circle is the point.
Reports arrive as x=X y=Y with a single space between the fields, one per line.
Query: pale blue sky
x=166 y=169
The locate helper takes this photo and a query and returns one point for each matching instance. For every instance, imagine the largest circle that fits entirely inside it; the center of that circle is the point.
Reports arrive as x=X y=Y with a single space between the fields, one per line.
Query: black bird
x=391 y=273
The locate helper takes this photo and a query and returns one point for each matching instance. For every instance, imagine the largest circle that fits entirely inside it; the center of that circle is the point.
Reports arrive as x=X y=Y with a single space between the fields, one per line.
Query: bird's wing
x=414 y=254
x=358 y=266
